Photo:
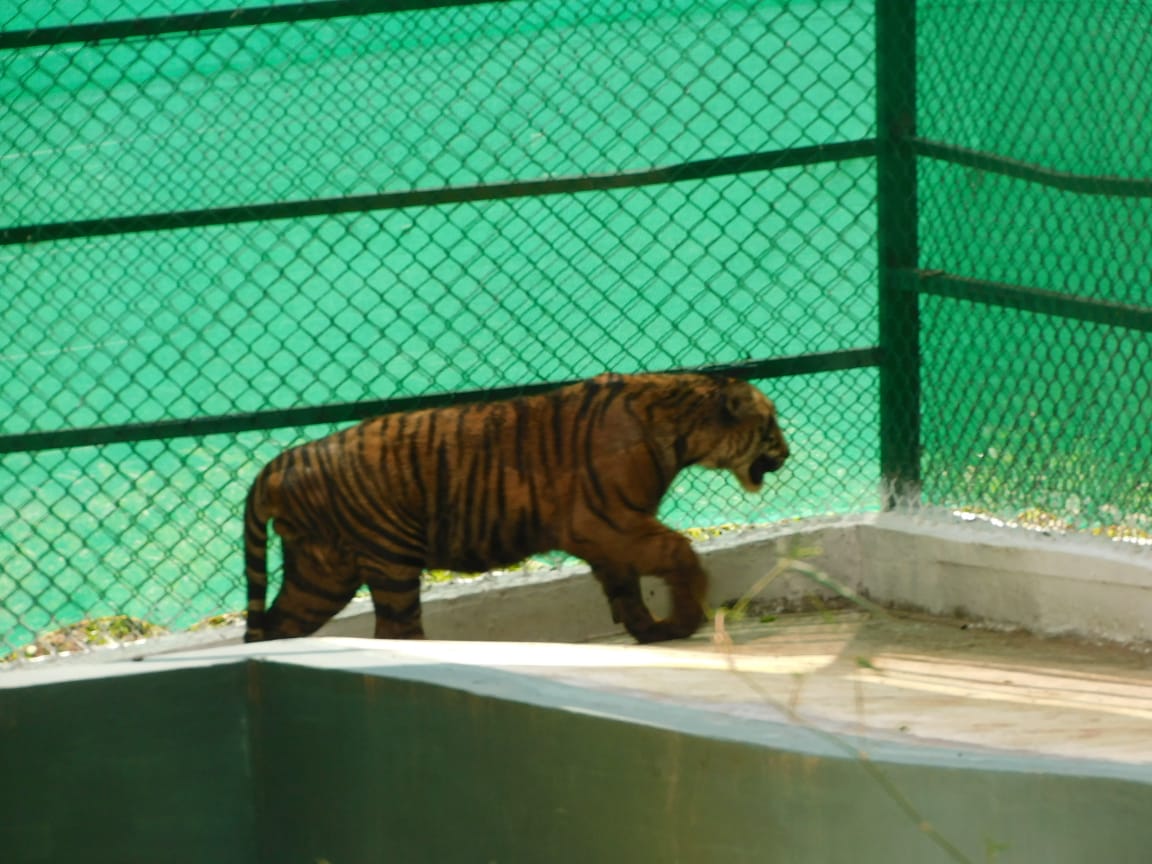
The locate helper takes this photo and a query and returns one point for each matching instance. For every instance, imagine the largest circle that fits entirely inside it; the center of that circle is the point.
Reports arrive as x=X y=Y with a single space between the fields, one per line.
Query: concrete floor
x=907 y=678
x=913 y=679
x=917 y=679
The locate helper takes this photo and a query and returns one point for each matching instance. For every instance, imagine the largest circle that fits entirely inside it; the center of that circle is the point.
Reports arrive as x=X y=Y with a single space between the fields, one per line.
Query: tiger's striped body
x=468 y=488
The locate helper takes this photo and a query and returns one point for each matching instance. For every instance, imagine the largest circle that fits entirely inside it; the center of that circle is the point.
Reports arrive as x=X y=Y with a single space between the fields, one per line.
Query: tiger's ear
x=736 y=402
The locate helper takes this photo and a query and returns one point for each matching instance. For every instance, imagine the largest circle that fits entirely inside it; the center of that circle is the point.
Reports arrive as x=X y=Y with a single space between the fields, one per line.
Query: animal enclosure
x=923 y=228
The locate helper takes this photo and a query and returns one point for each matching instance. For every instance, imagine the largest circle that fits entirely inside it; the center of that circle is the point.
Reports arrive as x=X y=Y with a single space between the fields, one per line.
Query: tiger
x=580 y=469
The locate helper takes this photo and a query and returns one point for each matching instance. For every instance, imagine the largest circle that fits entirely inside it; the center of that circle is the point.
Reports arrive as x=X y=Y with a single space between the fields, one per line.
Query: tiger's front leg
x=622 y=588
x=655 y=550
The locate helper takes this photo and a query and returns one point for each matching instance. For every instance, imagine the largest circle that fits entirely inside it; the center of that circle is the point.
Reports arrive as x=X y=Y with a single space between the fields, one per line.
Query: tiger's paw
x=661 y=631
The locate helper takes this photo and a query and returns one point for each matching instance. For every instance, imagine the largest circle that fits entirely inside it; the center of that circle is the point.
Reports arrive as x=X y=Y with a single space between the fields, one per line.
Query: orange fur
x=581 y=469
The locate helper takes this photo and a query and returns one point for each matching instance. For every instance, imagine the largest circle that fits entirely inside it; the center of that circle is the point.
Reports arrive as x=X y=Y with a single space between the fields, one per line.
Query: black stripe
x=558 y=403
x=592 y=389
x=395 y=485
x=595 y=508
x=442 y=486
x=589 y=423
x=308 y=618
x=419 y=436
x=498 y=552
x=303 y=454
x=394 y=586
x=662 y=476
x=356 y=522
x=475 y=502
x=520 y=410
x=397 y=616
x=366 y=521
x=623 y=498
x=530 y=518
x=402 y=556
x=359 y=486
x=524 y=535
x=495 y=458
x=316 y=589
x=368 y=474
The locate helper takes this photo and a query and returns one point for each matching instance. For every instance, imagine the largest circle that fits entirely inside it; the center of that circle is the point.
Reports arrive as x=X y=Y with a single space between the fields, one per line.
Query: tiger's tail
x=256 y=556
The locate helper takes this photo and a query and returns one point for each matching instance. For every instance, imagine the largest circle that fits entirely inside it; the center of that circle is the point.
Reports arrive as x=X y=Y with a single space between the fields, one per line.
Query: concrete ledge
x=870 y=738
x=1053 y=585
x=351 y=750
x=1090 y=588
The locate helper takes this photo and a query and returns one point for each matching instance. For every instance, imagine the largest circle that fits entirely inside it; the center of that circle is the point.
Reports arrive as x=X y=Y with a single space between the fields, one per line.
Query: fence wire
x=1036 y=406
x=212 y=213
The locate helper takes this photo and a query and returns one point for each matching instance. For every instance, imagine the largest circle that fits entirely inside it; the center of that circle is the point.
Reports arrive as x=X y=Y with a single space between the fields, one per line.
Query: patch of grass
x=710 y=531
x=450 y=575
x=224 y=619
x=1124 y=534
x=1038 y=519
x=86 y=634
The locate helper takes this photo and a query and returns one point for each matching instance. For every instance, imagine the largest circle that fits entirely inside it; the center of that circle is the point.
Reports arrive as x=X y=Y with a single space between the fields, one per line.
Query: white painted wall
x=1004 y=577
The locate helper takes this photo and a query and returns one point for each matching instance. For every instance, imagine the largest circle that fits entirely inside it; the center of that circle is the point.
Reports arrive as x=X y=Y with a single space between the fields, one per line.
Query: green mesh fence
x=922 y=228
x=1036 y=371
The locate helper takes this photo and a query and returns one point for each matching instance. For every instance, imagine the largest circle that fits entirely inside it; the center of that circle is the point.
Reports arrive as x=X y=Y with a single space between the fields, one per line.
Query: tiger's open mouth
x=762 y=465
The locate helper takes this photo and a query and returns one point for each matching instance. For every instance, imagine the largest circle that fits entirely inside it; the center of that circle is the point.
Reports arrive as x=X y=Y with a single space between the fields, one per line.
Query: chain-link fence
x=1036 y=206
x=227 y=230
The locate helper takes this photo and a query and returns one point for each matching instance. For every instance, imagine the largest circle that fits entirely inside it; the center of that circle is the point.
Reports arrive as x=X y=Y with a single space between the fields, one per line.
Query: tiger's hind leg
x=395 y=599
x=655 y=550
x=319 y=580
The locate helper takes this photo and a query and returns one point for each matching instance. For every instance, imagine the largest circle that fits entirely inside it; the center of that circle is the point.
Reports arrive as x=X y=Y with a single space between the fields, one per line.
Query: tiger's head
x=743 y=436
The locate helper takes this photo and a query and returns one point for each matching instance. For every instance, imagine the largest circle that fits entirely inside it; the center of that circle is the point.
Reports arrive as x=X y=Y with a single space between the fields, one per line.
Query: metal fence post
x=897 y=239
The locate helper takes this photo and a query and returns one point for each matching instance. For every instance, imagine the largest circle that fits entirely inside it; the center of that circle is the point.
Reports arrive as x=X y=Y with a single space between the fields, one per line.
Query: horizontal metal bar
x=347 y=412
x=698 y=170
x=797 y=364
x=1039 y=300
x=1083 y=184
x=99 y=31
x=232 y=424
